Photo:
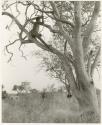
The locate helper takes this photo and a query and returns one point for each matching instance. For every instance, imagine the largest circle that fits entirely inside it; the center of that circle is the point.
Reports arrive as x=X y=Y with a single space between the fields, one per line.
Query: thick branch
x=49 y=27
x=89 y=62
x=12 y=17
x=69 y=74
x=63 y=33
x=77 y=15
x=90 y=27
x=78 y=48
x=95 y=61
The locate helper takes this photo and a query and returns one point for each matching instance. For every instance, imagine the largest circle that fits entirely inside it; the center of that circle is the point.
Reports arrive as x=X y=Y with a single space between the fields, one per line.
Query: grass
x=31 y=108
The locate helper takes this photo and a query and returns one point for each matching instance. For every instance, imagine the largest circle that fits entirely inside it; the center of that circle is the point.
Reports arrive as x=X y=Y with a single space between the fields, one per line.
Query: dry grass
x=31 y=108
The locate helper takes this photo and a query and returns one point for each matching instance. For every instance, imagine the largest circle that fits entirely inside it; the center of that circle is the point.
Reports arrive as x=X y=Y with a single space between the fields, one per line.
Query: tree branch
x=10 y=51
x=12 y=17
x=89 y=62
x=90 y=27
x=77 y=15
x=49 y=27
x=95 y=61
x=22 y=52
x=62 y=31
x=64 y=21
x=30 y=39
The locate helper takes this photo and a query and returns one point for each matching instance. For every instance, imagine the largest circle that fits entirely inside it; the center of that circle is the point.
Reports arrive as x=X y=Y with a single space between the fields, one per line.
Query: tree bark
x=88 y=106
x=86 y=98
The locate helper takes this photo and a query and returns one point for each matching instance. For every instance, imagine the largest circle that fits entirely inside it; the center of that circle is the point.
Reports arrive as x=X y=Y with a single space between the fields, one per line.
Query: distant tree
x=4 y=94
x=44 y=93
x=2 y=87
x=26 y=86
x=16 y=88
x=33 y=90
x=21 y=88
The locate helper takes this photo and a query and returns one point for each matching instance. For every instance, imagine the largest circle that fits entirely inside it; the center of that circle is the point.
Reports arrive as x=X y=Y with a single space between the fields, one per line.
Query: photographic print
x=50 y=61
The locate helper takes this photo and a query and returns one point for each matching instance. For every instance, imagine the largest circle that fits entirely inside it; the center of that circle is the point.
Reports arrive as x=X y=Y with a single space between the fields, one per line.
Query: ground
x=31 y=108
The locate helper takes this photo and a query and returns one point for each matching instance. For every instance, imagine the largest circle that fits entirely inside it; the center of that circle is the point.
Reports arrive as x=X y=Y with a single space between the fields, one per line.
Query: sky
x=19 y=69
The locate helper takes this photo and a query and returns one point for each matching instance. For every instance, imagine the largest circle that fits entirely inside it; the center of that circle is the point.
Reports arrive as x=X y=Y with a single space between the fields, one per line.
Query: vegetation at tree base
x=74 y=51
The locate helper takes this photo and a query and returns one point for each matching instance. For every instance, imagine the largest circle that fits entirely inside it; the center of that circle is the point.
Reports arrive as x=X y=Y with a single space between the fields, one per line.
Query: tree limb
x=77 y=15
x=64 y=21
x=63 y=33
x=89 y=62
x=30 y=39
x=22 y=52
x=12 y=17
x=49 y=27
x=90 y=27
x=95 y=61
x=10 y=51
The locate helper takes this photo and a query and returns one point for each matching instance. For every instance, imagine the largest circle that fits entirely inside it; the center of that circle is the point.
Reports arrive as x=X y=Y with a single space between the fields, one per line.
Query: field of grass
x=31 y=108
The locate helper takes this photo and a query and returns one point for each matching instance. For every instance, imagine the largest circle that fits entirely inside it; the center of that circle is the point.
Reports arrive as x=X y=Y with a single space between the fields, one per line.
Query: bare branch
x=63 y=33
x=17 y=9
x=52 y=12
x=89 y=62
x=24 y=4
x=95 y=61
x=90 y=27
x=39 y=9
x=14 y=18
x=64 y=21
x=49 y=27
x=30 y=39
x=8 y=6
x=85 y=23
x=22 y=52
x=65 y=46
x=10 y=51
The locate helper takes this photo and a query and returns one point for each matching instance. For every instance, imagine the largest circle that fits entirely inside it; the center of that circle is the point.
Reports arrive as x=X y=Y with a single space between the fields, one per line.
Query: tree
x=3 y=87
x=74 y=24
x=25 y=86
x=4 y=92
x=16 y=88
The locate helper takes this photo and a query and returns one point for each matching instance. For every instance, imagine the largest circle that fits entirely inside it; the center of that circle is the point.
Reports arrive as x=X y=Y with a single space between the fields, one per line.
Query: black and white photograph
x=50 y=61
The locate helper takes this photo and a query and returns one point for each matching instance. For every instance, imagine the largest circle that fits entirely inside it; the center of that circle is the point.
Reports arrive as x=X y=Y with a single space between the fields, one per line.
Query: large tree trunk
x=84 y=91
x=88 y=105
x=85 y=94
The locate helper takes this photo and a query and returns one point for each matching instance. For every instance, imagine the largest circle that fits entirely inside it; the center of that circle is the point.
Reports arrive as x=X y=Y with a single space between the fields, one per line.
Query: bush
x=4 y=94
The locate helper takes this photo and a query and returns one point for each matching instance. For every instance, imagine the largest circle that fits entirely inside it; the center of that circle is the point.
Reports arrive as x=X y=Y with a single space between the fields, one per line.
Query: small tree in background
x=16 y=88
x=26 y=86
x=4 y=93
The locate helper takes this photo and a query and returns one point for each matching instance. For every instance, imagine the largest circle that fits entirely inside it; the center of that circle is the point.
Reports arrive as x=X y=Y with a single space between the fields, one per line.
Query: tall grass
x=31 y=108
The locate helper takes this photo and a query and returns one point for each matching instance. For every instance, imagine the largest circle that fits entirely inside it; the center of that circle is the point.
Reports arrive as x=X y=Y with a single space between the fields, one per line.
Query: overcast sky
x=19 y=69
